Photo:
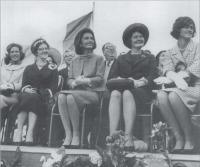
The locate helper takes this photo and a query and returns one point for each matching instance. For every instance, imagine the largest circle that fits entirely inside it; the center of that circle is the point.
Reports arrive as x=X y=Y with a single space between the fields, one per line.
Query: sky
x=25 y=21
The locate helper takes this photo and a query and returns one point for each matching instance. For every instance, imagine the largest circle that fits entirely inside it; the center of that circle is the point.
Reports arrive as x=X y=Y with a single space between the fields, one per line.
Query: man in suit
x=67 y=57
x=110 y=54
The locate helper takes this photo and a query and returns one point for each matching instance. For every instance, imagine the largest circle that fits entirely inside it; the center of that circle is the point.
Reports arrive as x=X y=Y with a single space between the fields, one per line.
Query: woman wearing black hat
x=140 y=67
x=39 y=82
x=85 y=77
x=176 y=104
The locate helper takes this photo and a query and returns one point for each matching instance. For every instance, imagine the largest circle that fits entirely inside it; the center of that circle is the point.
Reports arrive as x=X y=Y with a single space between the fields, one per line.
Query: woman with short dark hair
x=85 y=77
x=11 y=75
x=176 y=104
x=39 y=82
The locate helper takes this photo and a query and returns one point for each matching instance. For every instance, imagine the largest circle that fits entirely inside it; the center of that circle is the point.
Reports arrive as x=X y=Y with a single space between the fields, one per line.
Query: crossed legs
x=177 y=116
x=21 y=118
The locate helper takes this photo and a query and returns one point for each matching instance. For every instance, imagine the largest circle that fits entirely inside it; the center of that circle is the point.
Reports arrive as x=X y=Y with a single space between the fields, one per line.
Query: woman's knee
x=162 y=96
x=127 y=95
x=70 y=99
x=173 y=97
x=3 y=102
x=62 y=98
x=115 y=94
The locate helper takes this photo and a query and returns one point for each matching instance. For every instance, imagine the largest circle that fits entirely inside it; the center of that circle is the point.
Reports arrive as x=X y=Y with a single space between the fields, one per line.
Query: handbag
x=120 y=84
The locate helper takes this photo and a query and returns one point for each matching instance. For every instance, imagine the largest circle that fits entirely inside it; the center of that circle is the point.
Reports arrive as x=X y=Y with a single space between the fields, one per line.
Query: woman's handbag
x=120 y=84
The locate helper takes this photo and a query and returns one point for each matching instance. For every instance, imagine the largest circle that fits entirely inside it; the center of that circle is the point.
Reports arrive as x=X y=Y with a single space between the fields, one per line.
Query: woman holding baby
x=176 y=104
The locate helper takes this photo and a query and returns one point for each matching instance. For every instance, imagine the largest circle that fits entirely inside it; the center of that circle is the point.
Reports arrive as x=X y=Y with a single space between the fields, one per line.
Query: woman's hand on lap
x=30 y=90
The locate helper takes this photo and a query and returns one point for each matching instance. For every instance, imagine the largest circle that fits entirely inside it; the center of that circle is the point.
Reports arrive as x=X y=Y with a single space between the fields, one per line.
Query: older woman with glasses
x=39 y=82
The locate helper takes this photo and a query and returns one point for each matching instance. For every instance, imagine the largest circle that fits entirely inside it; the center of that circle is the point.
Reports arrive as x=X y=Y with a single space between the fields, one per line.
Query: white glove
x=162 y=80
x=181 y=84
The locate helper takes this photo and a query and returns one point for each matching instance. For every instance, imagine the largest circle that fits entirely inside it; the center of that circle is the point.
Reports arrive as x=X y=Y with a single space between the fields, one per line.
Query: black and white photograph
x=98 y=83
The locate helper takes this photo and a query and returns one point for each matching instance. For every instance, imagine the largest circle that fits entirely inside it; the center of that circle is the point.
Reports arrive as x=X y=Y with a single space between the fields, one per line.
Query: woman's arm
x=100 y=69
x=53 y=82
x=153 y=72
x=194 y=68
x=71 y=82
x=26 y=82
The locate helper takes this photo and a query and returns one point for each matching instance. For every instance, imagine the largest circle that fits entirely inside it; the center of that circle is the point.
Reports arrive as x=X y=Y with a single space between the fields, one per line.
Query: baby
x=180 y=66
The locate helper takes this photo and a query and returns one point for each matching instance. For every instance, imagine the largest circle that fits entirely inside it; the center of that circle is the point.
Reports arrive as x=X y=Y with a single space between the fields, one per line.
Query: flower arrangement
x=115 y=155
x=54 y=159
x=161 y=137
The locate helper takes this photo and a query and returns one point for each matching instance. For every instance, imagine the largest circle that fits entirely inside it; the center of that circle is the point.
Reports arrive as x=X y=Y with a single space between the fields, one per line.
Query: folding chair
x=53 y=113
x=151 y=105
x=7 y=125
x=83 y=118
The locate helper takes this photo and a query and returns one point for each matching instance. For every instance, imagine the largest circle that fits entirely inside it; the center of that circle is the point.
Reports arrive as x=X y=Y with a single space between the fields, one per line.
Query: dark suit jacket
x=135 y=66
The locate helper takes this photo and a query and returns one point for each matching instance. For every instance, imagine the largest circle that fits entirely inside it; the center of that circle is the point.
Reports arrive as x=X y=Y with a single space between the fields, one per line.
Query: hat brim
x=136 y=27
x=55 y=54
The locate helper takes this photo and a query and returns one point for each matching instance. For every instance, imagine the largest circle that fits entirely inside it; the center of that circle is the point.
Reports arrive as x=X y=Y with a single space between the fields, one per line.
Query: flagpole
x=93 y=11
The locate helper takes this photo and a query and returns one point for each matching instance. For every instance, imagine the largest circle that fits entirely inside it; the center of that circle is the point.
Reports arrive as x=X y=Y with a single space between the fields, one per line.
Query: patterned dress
x=191 y=58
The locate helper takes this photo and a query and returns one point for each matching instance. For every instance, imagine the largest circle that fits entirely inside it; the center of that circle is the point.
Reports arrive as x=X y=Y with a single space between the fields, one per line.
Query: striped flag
x=74 y=27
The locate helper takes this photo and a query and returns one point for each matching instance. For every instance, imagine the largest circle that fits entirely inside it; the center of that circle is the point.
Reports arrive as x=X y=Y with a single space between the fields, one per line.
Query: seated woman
x=176 y=104
x=140 y=67
x=39 y=82
x=11 y=75
x=85 y=76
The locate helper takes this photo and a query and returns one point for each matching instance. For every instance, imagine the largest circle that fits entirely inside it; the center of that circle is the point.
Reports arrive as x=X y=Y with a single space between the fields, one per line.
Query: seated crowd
x=128 y=82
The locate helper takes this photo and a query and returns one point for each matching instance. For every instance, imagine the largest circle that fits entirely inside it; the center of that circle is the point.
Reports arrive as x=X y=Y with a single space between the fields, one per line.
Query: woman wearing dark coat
x=139 y=66
x=39 y=82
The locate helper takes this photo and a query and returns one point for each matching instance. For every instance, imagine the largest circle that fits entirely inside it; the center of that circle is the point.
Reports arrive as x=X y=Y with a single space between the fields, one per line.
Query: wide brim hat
x=55 y=54
x=136 y=27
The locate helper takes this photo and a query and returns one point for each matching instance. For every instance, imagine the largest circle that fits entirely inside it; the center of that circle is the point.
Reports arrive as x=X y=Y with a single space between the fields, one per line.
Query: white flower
x=95 y=158
x=55 y=157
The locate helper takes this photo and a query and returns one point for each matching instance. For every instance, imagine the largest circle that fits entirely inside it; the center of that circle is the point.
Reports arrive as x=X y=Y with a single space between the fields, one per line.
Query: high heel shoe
x=17 y=143
x=66 y=146
x=29 y=143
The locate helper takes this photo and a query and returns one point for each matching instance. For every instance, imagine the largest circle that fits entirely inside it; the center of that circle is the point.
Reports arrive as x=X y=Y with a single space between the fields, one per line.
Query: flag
x=74 y=27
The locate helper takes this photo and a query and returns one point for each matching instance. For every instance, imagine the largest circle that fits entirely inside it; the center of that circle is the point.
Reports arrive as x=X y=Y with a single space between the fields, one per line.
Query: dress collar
x=182 y=56
x=13 y=67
